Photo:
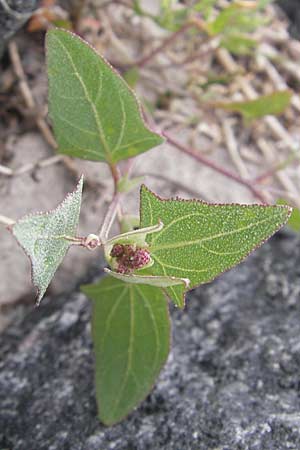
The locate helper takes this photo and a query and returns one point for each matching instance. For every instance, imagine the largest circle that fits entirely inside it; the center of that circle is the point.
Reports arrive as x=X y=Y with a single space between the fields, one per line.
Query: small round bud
x=129 y=250
x=117 y=250
x=140 y=258
x=122 y=268
x=92 y=241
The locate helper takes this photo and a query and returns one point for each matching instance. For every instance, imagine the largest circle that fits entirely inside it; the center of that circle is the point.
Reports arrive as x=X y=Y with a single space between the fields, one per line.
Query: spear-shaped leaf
x=270 y=104
x=95 y=115
x=45 y=238
x=199 y=240
x=131 y=335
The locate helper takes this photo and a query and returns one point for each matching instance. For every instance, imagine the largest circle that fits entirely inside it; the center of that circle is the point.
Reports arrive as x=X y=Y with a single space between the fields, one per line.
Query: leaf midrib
x=129 y=359
x=205 y=239
x=89 y=100
x=156 y=332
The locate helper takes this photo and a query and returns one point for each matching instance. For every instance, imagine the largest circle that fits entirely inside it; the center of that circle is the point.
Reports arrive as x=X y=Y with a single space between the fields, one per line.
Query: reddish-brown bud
x=140 y=258
x=129 y=250
x=129 y=257
x=117 y=250
x=122 y=268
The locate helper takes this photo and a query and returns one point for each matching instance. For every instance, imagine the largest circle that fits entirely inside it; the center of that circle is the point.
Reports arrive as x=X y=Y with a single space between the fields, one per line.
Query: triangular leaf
x=131 y=335
x=199 y=240
x=45 y=238
x=95 y=115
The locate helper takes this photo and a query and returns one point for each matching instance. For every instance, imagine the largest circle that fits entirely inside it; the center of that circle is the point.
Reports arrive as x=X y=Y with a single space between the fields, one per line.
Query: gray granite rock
x=13 y=14
x=292 y=10
x=232 y=381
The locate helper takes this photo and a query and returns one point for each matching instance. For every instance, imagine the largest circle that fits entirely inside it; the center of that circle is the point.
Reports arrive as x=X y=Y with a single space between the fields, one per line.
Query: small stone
x=220 y=386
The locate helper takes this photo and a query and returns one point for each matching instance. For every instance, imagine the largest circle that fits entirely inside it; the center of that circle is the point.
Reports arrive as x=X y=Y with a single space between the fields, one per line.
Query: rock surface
x=292 y=10
x=13 y=14
x=231 y=382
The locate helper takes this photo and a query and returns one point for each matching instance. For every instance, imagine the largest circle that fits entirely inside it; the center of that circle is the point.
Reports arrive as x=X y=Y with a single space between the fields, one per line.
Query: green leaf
x=273 y=104
x=205 y=7
x=95 y=115
x=132 y=76
x=172 y=20
x=239 y=44
x=131 y=335
x=237 y=17
x=294 y=220
x=227 y=17
x=46 y=237
x=199 y=240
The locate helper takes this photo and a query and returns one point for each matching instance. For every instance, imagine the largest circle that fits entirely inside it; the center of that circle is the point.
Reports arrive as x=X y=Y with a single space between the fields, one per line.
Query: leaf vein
x=173 y=222
x=123 y=122
x=111 y=314
x=156 y=332
x=170 y=266
x=92 y=105
x=205 y=239
x=129 y=359
x=83 y=130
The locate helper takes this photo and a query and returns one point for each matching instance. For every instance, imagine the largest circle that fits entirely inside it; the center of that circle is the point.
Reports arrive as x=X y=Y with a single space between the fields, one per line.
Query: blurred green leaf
x=213 y=78
x=239 y=44
x=171 y=19
x=205 y=7
x=131 y=336
x=270 y=104
x=129 y=222
x=237 y=17
x=94 y=113
x=126 y=184
x=228 y=16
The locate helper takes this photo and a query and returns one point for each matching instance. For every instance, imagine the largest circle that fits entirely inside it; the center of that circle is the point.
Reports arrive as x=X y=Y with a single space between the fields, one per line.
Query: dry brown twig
x=40 y=122
x=232 y=146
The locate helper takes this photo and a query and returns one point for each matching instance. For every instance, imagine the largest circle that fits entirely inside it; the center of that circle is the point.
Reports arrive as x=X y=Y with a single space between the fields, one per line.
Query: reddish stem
x=115 y=175
x=265 y=175
x=145 y=59
x=200 y=158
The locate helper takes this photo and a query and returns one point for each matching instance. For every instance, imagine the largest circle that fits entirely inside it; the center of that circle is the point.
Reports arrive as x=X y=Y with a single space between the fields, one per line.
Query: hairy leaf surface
x=43 y=238
x=131 y=335
x=94 y=113
x=199 y=240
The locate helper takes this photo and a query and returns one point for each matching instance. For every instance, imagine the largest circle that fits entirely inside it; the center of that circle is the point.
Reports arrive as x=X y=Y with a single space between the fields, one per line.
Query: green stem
x=115 y=175
x=109 y=218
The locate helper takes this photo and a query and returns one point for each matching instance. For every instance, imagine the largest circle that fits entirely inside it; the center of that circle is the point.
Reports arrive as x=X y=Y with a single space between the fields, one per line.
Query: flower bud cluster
x=129 y=257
